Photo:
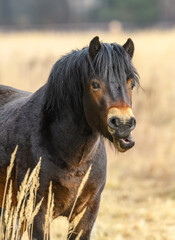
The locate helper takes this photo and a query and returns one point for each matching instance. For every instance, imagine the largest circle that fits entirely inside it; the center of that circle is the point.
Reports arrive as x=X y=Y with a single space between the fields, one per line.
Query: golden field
x=138 y=202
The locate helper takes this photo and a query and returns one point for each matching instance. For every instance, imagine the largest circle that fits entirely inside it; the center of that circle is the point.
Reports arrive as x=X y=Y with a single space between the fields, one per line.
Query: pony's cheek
x=92 y=104
x=101 y=98
x=95 y=111
x=97 y=97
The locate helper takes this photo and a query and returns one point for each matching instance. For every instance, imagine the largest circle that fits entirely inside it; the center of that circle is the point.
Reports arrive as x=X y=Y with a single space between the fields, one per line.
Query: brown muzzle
x=121 y=122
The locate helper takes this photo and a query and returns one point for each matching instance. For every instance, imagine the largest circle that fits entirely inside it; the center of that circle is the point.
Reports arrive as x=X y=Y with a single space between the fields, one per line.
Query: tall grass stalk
x=80 y=190
x=77 y=219
x=9 y=170
x=49 y=213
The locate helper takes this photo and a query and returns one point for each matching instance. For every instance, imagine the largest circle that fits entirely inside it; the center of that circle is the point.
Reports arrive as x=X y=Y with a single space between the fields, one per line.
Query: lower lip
x=122 y=145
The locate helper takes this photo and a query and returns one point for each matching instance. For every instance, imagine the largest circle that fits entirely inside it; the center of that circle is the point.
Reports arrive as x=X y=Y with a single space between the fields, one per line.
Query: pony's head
x=96 y=83
x=107 y=97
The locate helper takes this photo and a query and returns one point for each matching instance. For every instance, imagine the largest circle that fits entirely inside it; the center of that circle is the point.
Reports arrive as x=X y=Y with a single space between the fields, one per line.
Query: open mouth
x=123 y=144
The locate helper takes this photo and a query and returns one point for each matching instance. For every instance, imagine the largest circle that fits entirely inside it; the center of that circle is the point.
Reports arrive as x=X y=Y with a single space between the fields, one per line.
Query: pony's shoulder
x=8 y=94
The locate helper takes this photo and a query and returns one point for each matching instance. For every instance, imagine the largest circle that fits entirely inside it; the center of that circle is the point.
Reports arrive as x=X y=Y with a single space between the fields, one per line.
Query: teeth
x=126 y=141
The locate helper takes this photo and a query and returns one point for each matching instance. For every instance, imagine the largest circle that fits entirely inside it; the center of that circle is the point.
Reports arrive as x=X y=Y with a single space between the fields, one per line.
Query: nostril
x=114 y=122
x=133 y=122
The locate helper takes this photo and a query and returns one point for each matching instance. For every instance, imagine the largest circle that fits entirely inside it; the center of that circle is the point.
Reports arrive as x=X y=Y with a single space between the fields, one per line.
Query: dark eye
x=95 y=86
x=132 y=84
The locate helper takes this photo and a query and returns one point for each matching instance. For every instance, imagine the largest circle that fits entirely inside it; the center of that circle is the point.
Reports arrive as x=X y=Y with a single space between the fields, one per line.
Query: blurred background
x=138 y=202
x=84 y=14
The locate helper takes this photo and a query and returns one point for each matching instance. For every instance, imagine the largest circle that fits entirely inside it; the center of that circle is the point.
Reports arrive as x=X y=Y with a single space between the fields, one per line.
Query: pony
x=88 y=97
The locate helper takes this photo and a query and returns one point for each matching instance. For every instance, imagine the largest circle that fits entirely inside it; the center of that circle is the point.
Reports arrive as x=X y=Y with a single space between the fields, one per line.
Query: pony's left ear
x=129 y=47
x=94 y=47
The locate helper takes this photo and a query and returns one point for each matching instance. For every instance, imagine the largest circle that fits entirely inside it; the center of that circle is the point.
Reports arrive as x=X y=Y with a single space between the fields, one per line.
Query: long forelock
x=112 y=63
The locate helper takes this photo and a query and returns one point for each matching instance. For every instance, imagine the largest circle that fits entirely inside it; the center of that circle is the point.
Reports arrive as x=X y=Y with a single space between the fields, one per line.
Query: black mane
x=69 y=74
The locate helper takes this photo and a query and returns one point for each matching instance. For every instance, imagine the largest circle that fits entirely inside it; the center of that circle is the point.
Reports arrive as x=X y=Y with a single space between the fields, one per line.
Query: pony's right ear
x=94 y=47
x=129 y=47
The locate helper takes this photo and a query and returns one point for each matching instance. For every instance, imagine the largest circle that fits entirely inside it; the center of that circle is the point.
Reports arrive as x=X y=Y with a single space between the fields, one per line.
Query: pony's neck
x=68 y=137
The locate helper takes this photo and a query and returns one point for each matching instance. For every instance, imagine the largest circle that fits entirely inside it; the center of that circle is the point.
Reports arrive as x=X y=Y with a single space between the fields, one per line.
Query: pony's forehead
x=111 y=55
x=112 y=62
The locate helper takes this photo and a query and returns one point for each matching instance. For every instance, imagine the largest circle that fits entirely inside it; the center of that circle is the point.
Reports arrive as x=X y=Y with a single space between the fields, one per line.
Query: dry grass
x=18 y=221
x=15 y=219
x=139 y=199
